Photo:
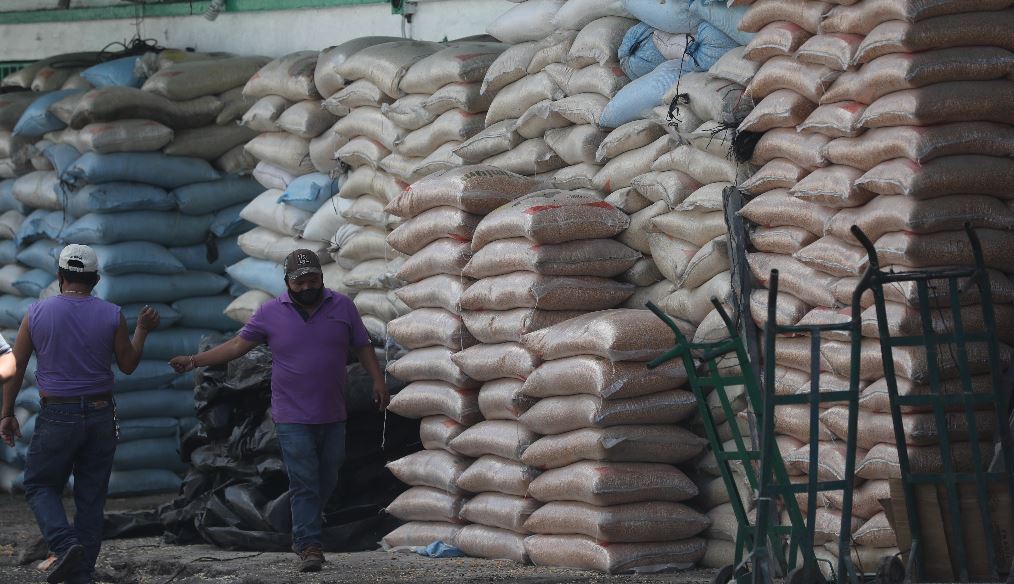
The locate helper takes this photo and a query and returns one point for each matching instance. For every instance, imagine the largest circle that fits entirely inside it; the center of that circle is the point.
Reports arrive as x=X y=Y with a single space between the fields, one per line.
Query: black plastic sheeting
x=235 y=494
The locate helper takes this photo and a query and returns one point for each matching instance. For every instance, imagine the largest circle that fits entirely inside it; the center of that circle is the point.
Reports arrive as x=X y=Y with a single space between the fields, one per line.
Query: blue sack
x=37 y=120
x=134 y=257
x=13 y=309
x=29 y=399
x=171 y=342
x=149 y=373
x=149 y=453
x=668 y=15
x=167 y=314
x=148 y=403
x=7 y=200
x=725 y=19
x=638 y=54
x=154 y=226
x=41 y=224
x=8 y=251
x=310 y=191
x=224 y=252
x=153 y=168
x=206 y=312
x=130 y=288
x=141 y=428
x=187 y=424
x=708 y=47
x=119 y=72
x=150 y=481
x=638 y=98
x=208 y=197
x=41 y=255
x=33 y=282
x=116 y=197
x=61 y=156
x=439 y=549
x=258 y=274
x=228 y=223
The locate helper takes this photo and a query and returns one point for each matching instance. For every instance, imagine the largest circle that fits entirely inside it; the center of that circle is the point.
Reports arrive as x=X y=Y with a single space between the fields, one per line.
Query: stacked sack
x=613 y=501
x=455 y=381
x=112 y=174
x=286 y=118
x=885 y=115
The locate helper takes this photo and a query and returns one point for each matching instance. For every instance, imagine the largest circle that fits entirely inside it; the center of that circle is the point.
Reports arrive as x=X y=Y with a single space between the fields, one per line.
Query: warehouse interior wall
x=269 y=33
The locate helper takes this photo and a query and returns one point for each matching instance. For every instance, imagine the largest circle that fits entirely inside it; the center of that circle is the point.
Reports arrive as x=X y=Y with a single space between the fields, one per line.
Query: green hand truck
x=976 y=482
x=705 y=378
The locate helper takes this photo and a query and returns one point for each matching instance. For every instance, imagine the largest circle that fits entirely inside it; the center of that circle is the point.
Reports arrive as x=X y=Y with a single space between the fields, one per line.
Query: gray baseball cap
x=301 y=262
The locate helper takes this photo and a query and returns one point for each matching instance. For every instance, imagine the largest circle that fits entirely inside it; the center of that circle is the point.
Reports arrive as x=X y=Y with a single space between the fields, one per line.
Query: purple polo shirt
x=309 y=357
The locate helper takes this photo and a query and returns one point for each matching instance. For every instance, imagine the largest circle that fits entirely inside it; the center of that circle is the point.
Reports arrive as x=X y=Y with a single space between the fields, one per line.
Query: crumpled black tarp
x=235 y=494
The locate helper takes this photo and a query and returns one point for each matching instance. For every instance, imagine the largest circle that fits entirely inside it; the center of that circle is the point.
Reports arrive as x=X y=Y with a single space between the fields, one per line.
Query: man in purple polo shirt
x=310 y=331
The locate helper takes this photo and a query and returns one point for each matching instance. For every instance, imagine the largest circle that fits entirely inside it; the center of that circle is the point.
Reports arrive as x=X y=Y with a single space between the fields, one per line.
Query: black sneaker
x=66 y=564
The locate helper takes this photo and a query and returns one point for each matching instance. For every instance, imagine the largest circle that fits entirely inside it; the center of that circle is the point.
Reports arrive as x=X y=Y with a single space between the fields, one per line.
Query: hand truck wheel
x=891 y=571
x=802 y=575
x=724 y=575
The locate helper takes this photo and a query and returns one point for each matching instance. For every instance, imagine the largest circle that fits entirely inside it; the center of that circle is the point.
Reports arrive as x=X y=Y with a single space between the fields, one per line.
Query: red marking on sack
x=468 y=56
x=600 y=204
x=171 y=73
x=459 y=238
x=851 y=106
x=540 y=208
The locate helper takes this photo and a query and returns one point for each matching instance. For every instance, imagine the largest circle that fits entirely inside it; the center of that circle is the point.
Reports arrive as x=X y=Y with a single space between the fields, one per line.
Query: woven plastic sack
x=881 y=462
x=540 y=118
x=556 y=415
x=613 y=483
x=266 y=212
x=441 y=291
x=577 y=15
x=420 y=534
x=501 y=399
x=696 y=227
x=782 y=108
x=637 y=99
x=431 y=364
x=617 y=335
x=769 y=210
x=503 y=438
x=597 y=257
x=371 y=123
x=290 y=76
x=575 y=144
x=263 y=114
x=458 y=62
x=281 y=149
x=942 y=176
x=513 y=100
x=600 y=377
x=462 y=96
x=494 y=474
x=408 y=112
x=495 y=139
x=876 y=398
x=599 y=41
x=183 y=81
x=861 y=19
x=604 y=80
x=629 y=136
x=530 y=290
x=920 y=144
x=426 y=504
x=436 y=432
x=777 y=39
x=886 y=214
x=325 y=75
x=509 y=67
x=452 y=126
x=579 y=552
x=670 y=16
x=637 y=235
x=836 y=120
x=779 y=173
x=243 y=308
x=208 y=143
x=709 y=98
x=500 y=511
x=703 y=167
x=926 y=105
x=576 y=177
x=621 y=170
x=551 y=217
x=437 y=469
x=487 y=362
x=443 y=256
x=365 y=181
x=122 y=136
x=385 y=65
x=833 y=186
x=803 y=13
x=630 y=523
x=428 y=327
x=482 y=541
x=809 y=80
x=638 y=54
x=505 y=326
x=954 y=30
x=431 y=225
x=528 y=21
x=118 y=103
x=919 y=429
x=640 y=443
x=305 y=119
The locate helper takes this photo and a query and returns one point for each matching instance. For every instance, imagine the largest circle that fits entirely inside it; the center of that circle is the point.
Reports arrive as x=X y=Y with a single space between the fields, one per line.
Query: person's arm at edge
x=129 y=351
x=13 y=366
x=234 y=348
x=368 y=358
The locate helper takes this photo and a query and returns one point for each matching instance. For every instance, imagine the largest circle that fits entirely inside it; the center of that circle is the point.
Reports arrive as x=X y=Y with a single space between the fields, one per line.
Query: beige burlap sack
x=835 y=120
x=881 y=462
x=503 y=326
x=946 y=248
x=427 y=504
x=529 y=158
x=487 y=362
x=633 y=443
x=864 y=17
x=777 y=208
x=482 y=541
x=782 y=108
x=808 y=285
x=436 y=432
x=920 y=429
x=556 y=415
x=621 y=170
x=802 y=13
x=361 y=153
x=281 y=149
x=599 y=377
x=613 y=483
x=426 y=327
x=830 y=460
x=637 y=235
x=360 y=93
x=779 y=173
x=593 y=257
x=576 y=144
x=876 y=397
x=920 y=144
x=630 y=523
x=108 y=104
x=458 y=62
x=443 y=256
x=503 y=399
x=835 y=51
x=696 y=227
x=118 y=136
x=973 y=102
x=889 y=213
x=440 y=291
x=876 y=533
x=990 y=29
x=802 y=149
x=493 y=140
x=539 y=119
x=408 y=112
x=263 y=114
x=432 y=398
x=513 y=100
x=306 y=119
x=504 y=438
x=598 y=41
x=809 y=80
x=643 y=273
x=430 y=468
x=420 y=533
x=709 y=261
x=703 y=167
x=499 y=510
x=866 y=498
x=693 y=305
x=371 y=123
x=431 y=364
x=290 y=76
x=380 y=303
x=582 y=553
x=834 y=256
x=629 y=136
x=494 y=474
x=581 y=108
x=452 y=126
x=576 y=177
x=947 y=175
x=783 y=240
x=509 y=67
x=605 y=80
x=833 y=186
x=552 y=51
x=776 y=39
x=531 y=290
x=385 y=65
x=431 y=225
x=628 y=200
x=617 y=335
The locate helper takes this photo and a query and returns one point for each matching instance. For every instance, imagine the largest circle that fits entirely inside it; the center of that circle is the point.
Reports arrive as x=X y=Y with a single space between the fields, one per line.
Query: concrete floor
x=149 y=561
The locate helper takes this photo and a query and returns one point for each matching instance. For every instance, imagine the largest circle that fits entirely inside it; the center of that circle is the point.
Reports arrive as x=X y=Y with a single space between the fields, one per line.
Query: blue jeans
x=71 y=438
x=313 y=455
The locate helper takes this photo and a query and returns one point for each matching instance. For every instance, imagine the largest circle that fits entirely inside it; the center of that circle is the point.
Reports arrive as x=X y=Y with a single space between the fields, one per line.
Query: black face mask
x=307 y=297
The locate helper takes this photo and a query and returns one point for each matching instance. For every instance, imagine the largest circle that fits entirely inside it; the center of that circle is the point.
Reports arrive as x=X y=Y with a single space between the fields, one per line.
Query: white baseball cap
x=79 y=253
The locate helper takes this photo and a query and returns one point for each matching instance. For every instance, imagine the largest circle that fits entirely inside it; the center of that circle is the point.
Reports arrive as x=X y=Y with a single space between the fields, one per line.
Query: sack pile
x=126 y=170
x=885 y=115
x=455 y=382
x=286 y=117
x=613 y=499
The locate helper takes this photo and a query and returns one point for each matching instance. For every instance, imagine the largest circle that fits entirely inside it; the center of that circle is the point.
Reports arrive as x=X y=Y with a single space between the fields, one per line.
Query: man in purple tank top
x=76 y=338
x=310 y=330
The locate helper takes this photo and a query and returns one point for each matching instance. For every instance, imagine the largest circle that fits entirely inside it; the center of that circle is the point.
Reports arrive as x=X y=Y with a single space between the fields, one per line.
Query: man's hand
x=10 y=429
x=380 y=395
x=182 y=363
x=148 y=319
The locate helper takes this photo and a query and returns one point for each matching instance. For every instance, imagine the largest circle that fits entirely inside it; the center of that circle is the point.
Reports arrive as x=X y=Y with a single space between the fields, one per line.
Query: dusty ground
x=149 y=561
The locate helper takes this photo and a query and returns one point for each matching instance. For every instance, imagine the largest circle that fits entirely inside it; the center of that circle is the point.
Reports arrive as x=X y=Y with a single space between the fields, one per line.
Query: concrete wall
x=269 y=33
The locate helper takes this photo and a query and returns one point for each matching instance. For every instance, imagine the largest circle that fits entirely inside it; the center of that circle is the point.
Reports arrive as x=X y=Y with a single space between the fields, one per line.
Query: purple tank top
x=73 y=338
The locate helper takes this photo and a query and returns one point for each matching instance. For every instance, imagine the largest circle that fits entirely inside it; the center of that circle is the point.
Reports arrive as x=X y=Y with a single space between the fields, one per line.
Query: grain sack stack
x=887 y=116
x=288 y=117
x=612 y=498
x=447 y=366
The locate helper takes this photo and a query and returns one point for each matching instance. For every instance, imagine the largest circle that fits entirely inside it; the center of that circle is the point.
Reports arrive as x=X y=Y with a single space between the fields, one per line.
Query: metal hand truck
x=704 y=379
x=949 y=483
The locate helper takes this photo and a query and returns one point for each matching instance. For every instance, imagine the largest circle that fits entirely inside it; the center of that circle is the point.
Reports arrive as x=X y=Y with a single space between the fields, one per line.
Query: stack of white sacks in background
x=446 y=367
x=106 y=178
x=892 y=117
x=289 y=118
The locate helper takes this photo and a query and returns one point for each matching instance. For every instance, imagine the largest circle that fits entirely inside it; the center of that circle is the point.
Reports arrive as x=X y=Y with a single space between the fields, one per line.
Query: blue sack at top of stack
x=153 y=168
x=668 y=15
x=722 y=17
x=154 y=226
x=708 y=47
x=639 y=97
x=41 y=224
x=117 y=197
x=223 y=253
x=129 y=288
x=37 y=120
x=208 y=197
x=119 y=72
x=637 y=53
x=310 y=191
